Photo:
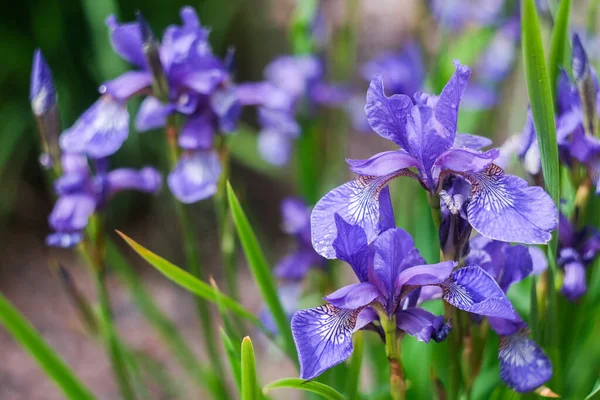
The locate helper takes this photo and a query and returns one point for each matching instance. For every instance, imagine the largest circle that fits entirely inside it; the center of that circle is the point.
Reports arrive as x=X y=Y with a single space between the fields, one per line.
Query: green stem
x=392 y=351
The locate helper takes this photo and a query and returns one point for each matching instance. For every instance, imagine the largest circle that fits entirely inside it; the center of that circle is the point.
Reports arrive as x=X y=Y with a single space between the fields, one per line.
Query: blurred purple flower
x=577 y=250
x=523 y=364
x=195 y=177
x=500 y=206
x=455 y=14
x=391 y=272
x=293 y=84
x=42 y=93
x=80 y=194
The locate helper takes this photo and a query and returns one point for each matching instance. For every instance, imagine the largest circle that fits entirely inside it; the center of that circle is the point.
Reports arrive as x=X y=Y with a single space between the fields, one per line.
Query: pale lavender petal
x=275 y=147
x=464 y=160
x=197 y=133
x=64 y=239
x=523 y=365
x=296 y=215
x=424 y=275
x=353 y=296
x=386 y=163
x=479 y=97
x=265 y=94
x=351 y=246
x=446 y=108
x=99 y=132
x=195 y=177
x=574 y=281
x=126 y=40
x=419 y=323
x=473 y=142
x=538 y=259
x=505 y=208
x=280 y=121
x=293 y=73
x=152 y=114
x=329 y=95
x=71 y=212
x=387 y=115
x=323 y=337
x=506 y=327
x=473 y=290
x=430 y=293
x=366 y=316
x=127 y=84
x=146 y=180
x=203 y=82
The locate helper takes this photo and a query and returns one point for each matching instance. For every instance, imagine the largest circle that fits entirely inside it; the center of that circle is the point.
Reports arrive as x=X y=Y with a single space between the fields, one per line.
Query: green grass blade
x=558 y=47
x=27 y=336
x=249 y=386
x=234 y=359
x=327 y=392
x=189 y=282
x=261 y=272
x=594 y=391
x=353 y=377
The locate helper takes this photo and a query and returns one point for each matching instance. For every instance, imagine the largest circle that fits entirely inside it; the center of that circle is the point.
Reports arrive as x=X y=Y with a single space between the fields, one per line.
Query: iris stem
x=392 y=351
x=192 y=257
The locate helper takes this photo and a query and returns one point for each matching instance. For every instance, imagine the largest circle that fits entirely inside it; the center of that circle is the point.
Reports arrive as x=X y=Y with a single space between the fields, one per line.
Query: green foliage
x=248 y=371
x=560 y=41
x=321 y=389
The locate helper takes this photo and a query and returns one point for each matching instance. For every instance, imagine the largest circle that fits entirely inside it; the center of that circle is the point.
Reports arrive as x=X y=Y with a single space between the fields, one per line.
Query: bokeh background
x=74 y=39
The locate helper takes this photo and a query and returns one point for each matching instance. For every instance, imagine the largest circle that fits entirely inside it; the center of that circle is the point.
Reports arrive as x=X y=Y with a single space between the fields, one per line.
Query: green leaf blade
x=262 y=274
x=249 y=386
x=27 y=336
x=327 y=392
x=560 y=32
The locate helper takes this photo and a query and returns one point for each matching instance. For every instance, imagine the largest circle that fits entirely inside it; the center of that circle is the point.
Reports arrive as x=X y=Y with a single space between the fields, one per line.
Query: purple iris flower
x=80 y=194
x=523 y=364
x=391 y=272
x=577 y=250
x=296 y=221
x=293 y=84
x=457 y=13
x=500 y=206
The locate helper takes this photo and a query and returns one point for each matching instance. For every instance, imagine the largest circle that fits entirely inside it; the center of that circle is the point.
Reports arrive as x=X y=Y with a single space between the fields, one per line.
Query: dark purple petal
x=197 y=133
x=446 y=108
x=581 y=64
x=566 y=232
x=42 y=93
x=71 y=212
x=574 y=281
x=152 y=114
x=386 y=163
x=195 y=177
x=419 y=323
x=517 y=266
x=591 y=246
x=469 y=141
x=425 y=275
x=473 y=290
x=583 y=147
x=353 y=296
x=323 y=337
x=126 y=40
x=523 y=365
x=295 y=266
x=351 y=246
x=505 y=208
x=99 y=132
x=464 y=160
x=296 y=215
x=274 y=147
x=126 y=85
x=146 y=180
x=386 y=211
x=356 y=202
x=387 y=115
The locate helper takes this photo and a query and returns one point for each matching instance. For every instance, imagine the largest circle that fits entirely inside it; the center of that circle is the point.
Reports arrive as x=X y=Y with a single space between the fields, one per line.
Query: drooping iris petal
x=523 y=365
x=419 y=323
x=126 y=40
x=353 y=296
x=323 y=337
x=295 y=266
x=195 y=177
x=446 y=108
x=424 y=275
x=574 y=281
x=469 y=141
x=69 y=217
x=365 y=317
x=386 y=163
x=197 y=133
x=127 y=84
x=387 y=115
x=351 y=246
x=474 y=290
x=296 y=215
x=152 y=114
x=99 y=132
x=147 y=180
x=505 y=208
x=274 y=147
x=517 y=266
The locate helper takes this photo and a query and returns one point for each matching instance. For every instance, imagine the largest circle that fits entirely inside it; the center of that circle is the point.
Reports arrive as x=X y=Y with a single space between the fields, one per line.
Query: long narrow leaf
x=249 y=386
x=327 y=392
x=27 y=336
x=234 y=359
x=189 y=282
x=353 y=378
x=261 y=272
x=559 y=43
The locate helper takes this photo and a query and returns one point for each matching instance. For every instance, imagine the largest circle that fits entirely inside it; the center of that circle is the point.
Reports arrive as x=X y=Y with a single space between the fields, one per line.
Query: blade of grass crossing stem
x=327 y=392
x=234 y=358
x=249 y=383
x=189 y=282
x=559 y=43
x=261 y=272
x=27 y=336
x=353 y=377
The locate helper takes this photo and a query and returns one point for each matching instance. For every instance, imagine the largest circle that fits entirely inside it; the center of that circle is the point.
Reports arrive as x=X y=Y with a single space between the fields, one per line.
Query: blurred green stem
x=392 y=351
x=192 y=256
